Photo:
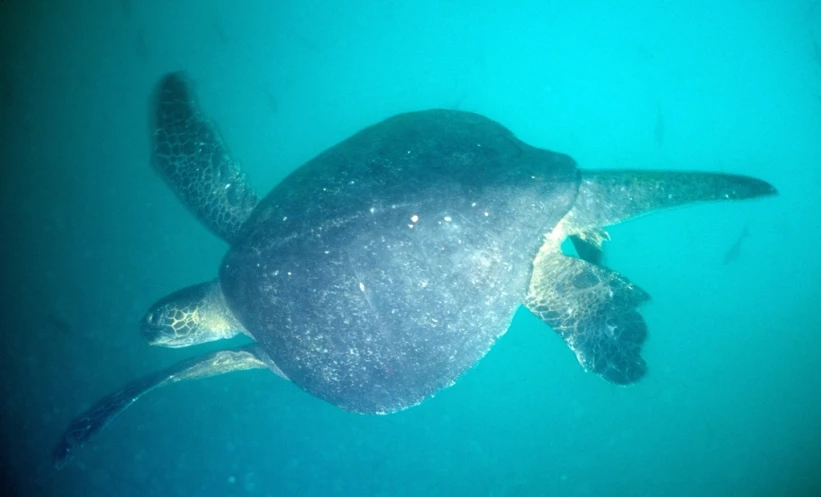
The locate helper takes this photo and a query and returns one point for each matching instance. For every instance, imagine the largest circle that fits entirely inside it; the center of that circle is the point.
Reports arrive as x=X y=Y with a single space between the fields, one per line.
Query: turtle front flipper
x=190 y=154
x=594 y=310
x=609 y=197
x=88 y=424
x=612 y=196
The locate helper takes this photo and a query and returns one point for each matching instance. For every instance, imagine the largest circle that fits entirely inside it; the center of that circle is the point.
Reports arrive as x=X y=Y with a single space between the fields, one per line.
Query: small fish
x=6 y=92
x=658 y=130
x=56 y=324
x=125 y=8
x=219 y=31
x=271 y=100
x=811 y=8
x=142 y=47
x=735 y=249
x=457 y=103
x=304 y=41
x=644 y=54
x=816 y=50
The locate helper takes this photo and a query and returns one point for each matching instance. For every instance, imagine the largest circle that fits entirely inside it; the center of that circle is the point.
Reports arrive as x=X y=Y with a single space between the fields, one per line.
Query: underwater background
x=91 y=236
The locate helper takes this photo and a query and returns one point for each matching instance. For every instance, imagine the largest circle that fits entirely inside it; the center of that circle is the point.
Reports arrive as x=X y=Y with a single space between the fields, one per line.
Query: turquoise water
x=92 y=236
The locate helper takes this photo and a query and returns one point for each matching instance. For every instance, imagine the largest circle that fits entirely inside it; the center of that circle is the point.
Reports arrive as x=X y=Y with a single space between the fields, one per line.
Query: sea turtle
x=380 y=271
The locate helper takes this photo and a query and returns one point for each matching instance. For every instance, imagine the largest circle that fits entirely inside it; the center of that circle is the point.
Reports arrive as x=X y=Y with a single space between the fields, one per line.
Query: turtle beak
x=150 y=336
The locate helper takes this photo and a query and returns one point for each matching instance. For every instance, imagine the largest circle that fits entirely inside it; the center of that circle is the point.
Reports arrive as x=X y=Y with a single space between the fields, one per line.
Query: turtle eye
x=155 y=318
x=164 y=318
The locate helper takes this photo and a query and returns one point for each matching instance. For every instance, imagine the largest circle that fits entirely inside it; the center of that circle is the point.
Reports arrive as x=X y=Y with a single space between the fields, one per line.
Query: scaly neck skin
x=216 y=315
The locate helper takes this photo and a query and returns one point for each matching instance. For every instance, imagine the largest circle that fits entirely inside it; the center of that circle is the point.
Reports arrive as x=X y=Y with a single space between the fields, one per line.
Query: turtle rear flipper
x=594 y=310
x=190 y=154
x=591 y=307
x=88 y=424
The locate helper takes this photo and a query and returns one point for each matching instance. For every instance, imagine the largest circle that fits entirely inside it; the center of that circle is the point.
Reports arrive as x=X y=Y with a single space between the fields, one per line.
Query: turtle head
x=190 y=316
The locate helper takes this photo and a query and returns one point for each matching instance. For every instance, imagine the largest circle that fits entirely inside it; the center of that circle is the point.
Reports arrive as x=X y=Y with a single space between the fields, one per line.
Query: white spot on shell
x=361 y=286
x=448 y=219
x=414 y=218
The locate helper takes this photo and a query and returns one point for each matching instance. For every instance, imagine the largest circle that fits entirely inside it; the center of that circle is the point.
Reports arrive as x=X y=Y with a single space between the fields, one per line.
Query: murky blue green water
x=91 y=236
